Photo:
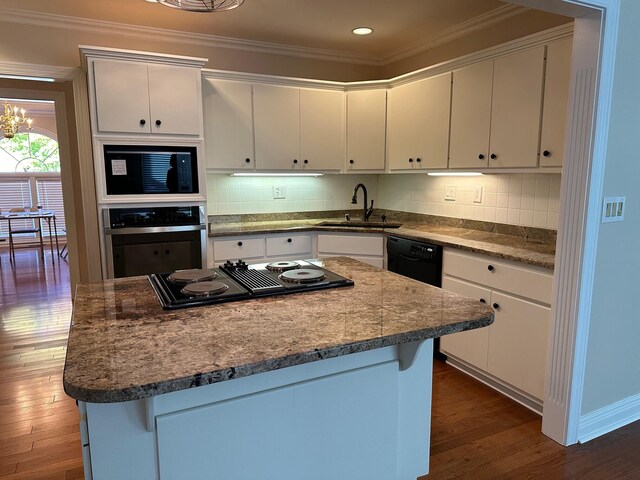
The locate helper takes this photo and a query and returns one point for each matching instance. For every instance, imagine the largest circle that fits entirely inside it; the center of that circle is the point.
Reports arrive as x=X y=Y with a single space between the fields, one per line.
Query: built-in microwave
x=143 y=170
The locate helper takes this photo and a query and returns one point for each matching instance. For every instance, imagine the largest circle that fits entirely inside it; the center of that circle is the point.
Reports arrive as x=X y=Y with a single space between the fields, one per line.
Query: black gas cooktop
x=236 y=281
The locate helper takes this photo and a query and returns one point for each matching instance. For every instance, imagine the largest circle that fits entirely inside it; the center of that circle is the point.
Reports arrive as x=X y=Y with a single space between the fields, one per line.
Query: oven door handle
x=166 y=229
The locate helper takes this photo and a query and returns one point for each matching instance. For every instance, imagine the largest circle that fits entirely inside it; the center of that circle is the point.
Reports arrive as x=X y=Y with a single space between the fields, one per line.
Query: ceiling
x=398 y=26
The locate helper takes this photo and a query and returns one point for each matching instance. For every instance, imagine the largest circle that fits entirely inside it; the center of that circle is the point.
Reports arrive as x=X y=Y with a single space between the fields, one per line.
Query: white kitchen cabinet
x=298 y=129
x=471 y=346
x=511 y=353
x=496 y=112
x=366 y=129
x=518 y=343
x=471 y=116
x=368 y=248
x=322 y=129
x=556 y=99
x=516 y=109
x=228 y=124
x=276 y=111
x=418 y=124
x=262 y=248
x=135 y=97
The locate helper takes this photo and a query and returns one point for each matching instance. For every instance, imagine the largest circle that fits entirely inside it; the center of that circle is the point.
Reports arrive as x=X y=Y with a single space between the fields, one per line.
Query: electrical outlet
x=613 y=209
x=450 y=193
x=279 y=192
x=477 y=194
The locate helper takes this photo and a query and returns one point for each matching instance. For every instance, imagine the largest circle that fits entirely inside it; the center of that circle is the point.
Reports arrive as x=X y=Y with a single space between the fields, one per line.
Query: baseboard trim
x=609 y=418
x=523 y=399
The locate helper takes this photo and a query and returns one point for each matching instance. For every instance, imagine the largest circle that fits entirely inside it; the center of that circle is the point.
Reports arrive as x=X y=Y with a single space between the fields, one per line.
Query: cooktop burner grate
x=255 y=280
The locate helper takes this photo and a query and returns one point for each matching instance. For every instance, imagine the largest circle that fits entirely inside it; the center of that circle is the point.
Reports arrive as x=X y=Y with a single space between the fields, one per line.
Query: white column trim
x=582 y=186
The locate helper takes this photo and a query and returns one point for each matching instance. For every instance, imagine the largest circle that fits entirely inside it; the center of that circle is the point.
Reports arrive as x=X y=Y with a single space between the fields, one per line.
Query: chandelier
x=12 y=120
x=202 y=5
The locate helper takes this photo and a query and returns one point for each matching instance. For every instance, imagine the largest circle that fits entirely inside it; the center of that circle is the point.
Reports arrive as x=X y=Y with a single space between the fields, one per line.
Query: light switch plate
x=450 y=193
x=279 y=192
x=477 y=194
x=613 y=209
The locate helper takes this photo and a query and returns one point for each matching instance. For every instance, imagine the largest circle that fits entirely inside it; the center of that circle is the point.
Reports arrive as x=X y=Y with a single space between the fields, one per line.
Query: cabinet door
x=321 y=129
x=556 y=98
x=122 y=96
x=516 y=109
x=174 y=99
x=433 y=134
x=228 y=124
x=277 y=127
x=471 y=115
x=518 y=343
x=403 y=125
x=366 y=126
x=471 y=346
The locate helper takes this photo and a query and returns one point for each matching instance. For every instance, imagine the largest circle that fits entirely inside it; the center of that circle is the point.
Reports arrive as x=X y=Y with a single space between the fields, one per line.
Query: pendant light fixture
x=202 y=5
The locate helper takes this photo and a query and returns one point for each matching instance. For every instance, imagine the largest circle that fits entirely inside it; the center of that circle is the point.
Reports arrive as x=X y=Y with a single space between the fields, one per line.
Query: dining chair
x=36 y=228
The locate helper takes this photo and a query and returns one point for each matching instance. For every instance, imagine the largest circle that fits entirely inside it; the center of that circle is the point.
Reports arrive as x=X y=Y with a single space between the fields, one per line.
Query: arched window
x=29 y=152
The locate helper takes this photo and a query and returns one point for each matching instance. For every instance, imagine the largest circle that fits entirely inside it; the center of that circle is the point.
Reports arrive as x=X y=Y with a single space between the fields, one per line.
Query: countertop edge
x=208 y=378
x=404 y=232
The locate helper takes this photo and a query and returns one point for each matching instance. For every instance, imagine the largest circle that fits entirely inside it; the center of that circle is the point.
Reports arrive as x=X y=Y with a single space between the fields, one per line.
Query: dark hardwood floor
x=476 y=433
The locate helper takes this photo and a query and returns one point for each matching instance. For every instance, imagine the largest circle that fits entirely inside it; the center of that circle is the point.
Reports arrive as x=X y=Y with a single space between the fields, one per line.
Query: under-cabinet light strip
x=455 y=174
x=252 y=174
x=23 y=77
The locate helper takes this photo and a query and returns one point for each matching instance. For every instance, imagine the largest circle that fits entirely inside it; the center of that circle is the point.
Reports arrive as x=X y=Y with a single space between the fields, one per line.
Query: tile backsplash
x=519 y=199
x=237 y=195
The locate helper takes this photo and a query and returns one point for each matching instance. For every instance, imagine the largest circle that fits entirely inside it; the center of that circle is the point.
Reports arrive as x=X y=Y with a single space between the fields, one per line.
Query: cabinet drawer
x=288 y=245
x=533 y=283
x=471 y=346
x=351 y=244
x=238 y=247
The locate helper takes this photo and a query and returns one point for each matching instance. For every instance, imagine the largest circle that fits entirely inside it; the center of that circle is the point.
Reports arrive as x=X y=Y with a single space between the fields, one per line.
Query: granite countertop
x=123 y=346
x=515 y=247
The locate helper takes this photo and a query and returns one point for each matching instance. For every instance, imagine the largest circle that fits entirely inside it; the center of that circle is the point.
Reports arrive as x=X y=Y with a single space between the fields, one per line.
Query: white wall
x=235 y=195
x=613 y=359
x=519 y=199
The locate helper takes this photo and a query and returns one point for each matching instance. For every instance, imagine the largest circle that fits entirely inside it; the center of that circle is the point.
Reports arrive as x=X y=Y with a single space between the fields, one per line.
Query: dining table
x=48 y=216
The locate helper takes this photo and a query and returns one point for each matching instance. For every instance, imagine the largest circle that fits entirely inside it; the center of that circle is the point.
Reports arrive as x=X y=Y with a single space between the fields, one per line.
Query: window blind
x=50 y=198
x=14 y=193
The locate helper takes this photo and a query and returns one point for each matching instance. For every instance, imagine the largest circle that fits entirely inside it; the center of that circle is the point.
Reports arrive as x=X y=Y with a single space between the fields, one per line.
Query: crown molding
x=138 y=56
x=459 y=30
x=152 y=34
x=102 y=27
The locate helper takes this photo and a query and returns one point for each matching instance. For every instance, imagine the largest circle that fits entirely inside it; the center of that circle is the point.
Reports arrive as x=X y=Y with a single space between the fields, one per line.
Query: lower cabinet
x=262 y=248
x=368 y=248
x=511 y=353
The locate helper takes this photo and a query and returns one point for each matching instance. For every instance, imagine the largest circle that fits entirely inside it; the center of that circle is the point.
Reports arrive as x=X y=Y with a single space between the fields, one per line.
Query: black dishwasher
x=417 y=260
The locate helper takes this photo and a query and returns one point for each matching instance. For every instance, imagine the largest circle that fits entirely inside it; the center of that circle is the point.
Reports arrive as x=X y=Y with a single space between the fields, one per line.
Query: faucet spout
x=367 y=211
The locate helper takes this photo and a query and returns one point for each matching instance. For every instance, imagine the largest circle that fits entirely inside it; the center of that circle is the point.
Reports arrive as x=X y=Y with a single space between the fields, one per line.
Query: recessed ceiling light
x=151 y=1
x=362 y=31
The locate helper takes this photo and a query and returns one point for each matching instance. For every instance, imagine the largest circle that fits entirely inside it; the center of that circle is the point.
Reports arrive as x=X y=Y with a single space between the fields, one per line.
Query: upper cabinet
x=418 y=124
x=496 y=111
x=366 y=129
x=298 y=128
x=228 y=124
x=322 y=129
x=516 y=109
x=136 y=97
x=556 y=99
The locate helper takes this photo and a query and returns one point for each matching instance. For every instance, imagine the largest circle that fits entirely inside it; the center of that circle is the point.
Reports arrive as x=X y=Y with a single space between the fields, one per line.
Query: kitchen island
x=327 y=384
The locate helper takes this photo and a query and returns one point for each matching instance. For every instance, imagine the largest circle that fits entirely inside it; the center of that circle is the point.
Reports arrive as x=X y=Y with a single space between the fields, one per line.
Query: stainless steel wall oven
x=147 y=240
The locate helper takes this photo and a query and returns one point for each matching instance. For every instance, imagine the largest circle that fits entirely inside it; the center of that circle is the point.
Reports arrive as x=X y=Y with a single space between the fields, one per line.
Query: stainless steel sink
x=359 y=224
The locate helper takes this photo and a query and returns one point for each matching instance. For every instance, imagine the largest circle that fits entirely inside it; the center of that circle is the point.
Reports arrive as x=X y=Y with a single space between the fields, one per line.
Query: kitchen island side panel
x=365 y=415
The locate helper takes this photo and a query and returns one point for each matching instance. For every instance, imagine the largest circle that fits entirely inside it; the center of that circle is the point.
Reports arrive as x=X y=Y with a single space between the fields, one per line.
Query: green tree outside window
x=29 y=152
